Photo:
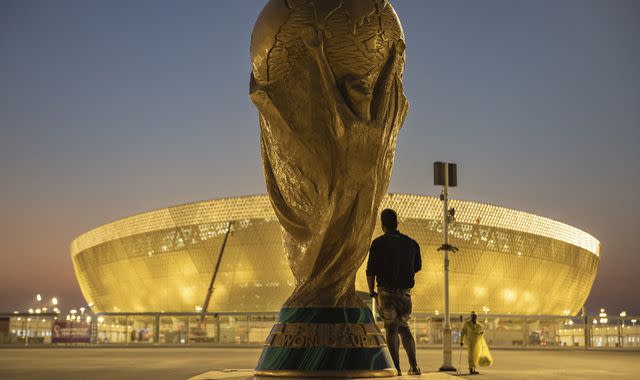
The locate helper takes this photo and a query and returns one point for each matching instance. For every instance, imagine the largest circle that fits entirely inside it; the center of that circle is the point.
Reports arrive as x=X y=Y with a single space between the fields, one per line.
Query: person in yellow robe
x=471 y=335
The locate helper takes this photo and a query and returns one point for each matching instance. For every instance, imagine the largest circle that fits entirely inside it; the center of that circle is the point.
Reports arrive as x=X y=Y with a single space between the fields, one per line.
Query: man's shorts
x=394 y=306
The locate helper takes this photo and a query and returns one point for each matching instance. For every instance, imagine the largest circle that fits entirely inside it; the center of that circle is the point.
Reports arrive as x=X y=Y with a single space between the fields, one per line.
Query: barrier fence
x=252 y=329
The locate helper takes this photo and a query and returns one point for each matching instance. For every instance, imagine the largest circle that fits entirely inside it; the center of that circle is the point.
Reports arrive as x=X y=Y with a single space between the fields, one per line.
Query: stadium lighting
x=54 y=301
x=603 y=317
x=38 y=297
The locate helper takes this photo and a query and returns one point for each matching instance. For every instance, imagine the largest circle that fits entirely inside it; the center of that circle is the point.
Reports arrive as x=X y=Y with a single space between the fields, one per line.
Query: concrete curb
x=259 y=346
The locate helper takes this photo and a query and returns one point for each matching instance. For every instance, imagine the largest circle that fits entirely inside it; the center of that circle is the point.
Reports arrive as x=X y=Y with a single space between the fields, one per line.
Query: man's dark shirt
x=394 y=258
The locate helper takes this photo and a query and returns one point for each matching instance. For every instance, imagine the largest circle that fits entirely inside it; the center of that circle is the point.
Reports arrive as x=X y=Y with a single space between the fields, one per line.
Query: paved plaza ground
x=160 y=363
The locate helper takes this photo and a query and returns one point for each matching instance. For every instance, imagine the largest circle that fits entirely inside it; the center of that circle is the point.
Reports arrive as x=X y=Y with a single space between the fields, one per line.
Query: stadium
x=510 y=262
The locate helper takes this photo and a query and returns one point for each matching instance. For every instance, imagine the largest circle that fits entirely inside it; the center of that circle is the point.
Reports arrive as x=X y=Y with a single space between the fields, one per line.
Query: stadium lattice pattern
x=510 y=262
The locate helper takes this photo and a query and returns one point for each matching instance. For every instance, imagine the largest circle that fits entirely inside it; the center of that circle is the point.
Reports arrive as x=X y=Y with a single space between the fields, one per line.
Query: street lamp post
x=26 y=339
x=38 y=310
x=444 y=174
x=623 y=315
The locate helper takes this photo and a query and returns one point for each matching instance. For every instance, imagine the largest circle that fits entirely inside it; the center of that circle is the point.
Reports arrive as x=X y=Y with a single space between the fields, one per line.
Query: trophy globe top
x=357 y=35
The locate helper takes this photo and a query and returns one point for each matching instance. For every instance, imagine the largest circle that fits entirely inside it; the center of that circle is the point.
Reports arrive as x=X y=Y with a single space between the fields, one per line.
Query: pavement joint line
x=248 y=375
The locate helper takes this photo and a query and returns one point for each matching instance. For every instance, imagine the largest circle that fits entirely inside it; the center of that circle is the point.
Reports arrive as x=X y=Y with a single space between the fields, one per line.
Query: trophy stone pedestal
x=325 y=342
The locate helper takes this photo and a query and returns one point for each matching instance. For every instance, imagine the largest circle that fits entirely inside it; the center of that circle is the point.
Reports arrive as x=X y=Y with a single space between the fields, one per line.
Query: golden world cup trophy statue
x=327 y=81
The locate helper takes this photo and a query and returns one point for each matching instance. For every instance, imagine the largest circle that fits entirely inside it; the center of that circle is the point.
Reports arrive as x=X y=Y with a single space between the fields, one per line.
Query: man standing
x=394 y=259
x=472 y=332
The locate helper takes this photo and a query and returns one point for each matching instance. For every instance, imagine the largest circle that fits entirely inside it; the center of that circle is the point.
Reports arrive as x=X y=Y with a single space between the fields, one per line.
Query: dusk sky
x=110 y=108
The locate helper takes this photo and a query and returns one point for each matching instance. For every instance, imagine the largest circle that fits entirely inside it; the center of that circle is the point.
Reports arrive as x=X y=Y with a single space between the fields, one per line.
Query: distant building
x=510 y=262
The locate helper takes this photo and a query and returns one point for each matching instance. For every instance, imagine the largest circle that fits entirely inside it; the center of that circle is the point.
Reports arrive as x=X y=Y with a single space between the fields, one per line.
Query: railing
x=515 y=331
x=184 y=328
x=507 y=331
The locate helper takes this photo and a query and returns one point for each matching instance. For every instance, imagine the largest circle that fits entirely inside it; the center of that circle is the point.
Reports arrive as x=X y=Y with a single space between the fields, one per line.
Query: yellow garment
x=484 y=359
x=471 y=335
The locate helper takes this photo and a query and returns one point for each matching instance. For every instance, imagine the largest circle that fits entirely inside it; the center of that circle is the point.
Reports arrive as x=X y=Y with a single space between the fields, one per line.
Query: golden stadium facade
x=510 y=262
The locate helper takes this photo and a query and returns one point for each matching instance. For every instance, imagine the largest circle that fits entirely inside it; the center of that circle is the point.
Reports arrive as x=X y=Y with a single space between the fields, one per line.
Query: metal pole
x=217 y=340
x=447 y=364
x=156 y=329
x=93 y=328
x=587 y=329
x=620 y=332
x=26 y=328
x=188 y=330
